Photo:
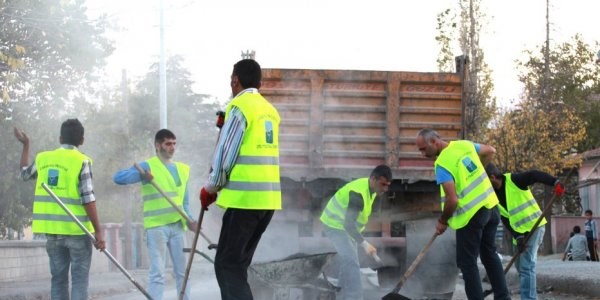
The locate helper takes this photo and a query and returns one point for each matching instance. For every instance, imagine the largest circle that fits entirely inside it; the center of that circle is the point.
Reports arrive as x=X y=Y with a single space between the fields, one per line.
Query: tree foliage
x=527 y=138
x=50 y=57
x=573 y=80
x=479 y=102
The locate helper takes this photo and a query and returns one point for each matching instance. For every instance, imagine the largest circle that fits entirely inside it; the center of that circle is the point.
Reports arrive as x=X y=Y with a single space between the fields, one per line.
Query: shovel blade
x=394 y=296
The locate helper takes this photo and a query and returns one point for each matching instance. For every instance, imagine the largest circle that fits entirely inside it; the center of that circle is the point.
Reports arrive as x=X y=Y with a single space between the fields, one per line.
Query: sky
x=394 y=35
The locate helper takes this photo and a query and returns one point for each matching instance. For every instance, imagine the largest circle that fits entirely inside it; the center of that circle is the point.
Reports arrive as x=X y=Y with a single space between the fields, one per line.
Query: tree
x=479 y=102
x=190 y=116
x=573 y=80
x=50 y=56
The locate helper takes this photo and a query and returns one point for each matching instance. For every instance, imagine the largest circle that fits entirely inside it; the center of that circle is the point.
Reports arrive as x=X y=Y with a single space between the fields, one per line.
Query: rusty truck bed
x=341 y=123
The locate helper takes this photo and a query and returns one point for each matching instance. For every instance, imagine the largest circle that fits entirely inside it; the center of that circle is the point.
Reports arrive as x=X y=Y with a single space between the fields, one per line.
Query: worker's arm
x=355 y=206
x=88 y=199
x=227 y=150
x=525 y=179
x=28 y=171
x=513 y=233
x=24 y=139
x=486 y=153
x=130 y=175
x=449 y=206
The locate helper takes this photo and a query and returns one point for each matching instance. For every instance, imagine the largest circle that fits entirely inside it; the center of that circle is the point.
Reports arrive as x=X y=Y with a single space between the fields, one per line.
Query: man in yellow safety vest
x=468 y=206
x=245 y=172
x=345 y=217
x=164 y=226
x=68 y=172
x=519 y=212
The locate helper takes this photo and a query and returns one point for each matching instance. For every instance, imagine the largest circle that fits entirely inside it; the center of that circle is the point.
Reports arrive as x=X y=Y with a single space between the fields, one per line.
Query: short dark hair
x=248 y=73
x=491 y=169
x=577 y=229
x=382 y=171
x=163 y=134
x=71 y=132
x=588 y=212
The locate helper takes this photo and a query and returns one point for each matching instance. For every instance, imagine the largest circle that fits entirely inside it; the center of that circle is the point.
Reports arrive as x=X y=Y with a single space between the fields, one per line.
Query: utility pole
x=127 y=222
x=162 y=69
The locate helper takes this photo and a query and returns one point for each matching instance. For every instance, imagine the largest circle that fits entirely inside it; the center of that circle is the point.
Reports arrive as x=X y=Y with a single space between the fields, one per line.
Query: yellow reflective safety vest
x=60 y=170
x=473 y=187
x=157 y=210
x=254 y=181
x=334 y=214
x=521 y=210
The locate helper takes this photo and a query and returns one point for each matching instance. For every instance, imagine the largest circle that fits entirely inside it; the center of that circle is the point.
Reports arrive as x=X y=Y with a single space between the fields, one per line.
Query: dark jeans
x=240 y=234
x=477 y=238
x=592 y=249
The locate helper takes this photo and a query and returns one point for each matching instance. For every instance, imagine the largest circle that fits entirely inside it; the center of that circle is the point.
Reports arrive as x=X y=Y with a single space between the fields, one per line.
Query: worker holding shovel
x=68 y=172
x=468 y=206
x=519 y=212
x=164 y=224
x=345 y=217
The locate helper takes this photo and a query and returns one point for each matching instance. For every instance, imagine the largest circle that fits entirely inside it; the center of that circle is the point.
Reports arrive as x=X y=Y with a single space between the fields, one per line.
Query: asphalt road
x=557 y=280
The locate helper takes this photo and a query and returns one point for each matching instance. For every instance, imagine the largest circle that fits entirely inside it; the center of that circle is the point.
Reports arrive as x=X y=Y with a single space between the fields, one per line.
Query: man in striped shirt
x=245 y=172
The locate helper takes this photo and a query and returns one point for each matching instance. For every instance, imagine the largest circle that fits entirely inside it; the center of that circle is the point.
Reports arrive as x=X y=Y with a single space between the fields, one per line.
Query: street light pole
x=162 y=70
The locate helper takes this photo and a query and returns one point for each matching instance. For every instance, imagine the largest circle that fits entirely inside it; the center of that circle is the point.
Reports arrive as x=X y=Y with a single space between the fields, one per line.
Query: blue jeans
x=347 y=257
x=158 y=240
x=69 y=252
x=526 y=265
x=477 y=238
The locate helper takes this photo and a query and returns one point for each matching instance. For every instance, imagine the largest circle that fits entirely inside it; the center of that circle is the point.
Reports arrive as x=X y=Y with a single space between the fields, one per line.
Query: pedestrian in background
x=468 y=206
x=68 y=172
x=577 y=246
x=245 y=172
x=591 y=234
x=165 y=227
x=345 y=217
x=519 y=212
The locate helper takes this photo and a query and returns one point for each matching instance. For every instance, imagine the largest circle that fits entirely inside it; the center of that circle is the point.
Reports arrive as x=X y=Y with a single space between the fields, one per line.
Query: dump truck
x=336 y=126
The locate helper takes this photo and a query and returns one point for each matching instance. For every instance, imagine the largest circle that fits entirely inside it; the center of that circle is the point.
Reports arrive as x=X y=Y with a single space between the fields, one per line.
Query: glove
x=220 y=119
x=559 y=189
x=521 y=244
x=206 y=198
x=369 y=249
x=146 y=176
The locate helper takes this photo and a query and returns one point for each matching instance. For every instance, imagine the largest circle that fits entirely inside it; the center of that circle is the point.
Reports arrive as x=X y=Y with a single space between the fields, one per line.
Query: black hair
x=588 y=211
x=491 y=169
x=382 y=171
x=248 y=73
x=163 y=134
x=71 y=132
x=577 y=229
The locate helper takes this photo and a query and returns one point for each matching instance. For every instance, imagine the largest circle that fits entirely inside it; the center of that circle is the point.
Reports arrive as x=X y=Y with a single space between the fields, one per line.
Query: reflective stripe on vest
x=254 y=181
x=60 y=170
x=157 y=210
x=334 y=214
x=521 y=209
x=473 y=187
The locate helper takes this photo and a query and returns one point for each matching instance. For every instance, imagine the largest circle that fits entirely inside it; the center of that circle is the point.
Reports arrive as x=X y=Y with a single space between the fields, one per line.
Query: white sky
x=394 y=35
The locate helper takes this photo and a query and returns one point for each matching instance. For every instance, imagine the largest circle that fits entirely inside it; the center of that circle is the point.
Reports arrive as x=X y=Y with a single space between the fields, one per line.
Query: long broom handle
x=93 y=238
x=175 y=206
x=192 y=252
x=414 y=265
